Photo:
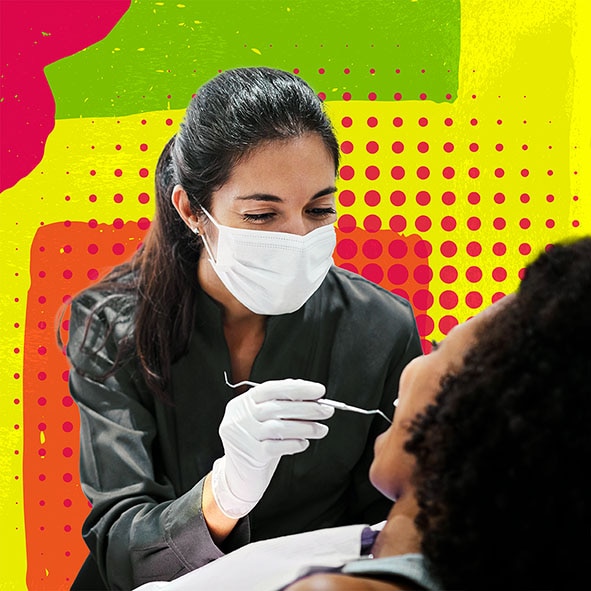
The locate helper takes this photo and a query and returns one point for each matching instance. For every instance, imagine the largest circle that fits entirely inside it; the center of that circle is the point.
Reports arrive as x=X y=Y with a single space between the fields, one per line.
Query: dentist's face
x=420 y=382
x=283 y=186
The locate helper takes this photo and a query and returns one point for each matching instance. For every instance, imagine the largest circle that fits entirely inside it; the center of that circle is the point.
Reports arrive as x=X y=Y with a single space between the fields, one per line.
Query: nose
x=298 y=225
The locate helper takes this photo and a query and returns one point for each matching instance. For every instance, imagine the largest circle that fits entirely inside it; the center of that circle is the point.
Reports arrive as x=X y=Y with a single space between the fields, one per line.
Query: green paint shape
x=161 y=52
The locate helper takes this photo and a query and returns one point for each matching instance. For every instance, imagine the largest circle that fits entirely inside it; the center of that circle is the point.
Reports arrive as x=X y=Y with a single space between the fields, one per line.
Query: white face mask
x=271 y=272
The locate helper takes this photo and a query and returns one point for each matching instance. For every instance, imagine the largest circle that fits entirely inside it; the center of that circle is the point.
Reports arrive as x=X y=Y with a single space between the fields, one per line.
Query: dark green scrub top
x=143 y=461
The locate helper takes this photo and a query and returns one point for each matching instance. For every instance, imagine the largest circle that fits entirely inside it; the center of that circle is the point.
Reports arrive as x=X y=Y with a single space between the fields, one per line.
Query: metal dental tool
x=334 y=403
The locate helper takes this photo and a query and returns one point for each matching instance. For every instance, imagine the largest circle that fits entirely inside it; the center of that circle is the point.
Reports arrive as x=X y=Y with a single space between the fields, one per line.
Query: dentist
x=235 y=275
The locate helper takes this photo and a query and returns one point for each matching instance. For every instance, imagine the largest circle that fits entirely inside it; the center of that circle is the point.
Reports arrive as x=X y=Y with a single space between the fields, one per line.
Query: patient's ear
x=181 y=203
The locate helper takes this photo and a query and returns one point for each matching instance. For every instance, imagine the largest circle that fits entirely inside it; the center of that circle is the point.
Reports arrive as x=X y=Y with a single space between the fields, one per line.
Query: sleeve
x=137 y=530
x=368 y=504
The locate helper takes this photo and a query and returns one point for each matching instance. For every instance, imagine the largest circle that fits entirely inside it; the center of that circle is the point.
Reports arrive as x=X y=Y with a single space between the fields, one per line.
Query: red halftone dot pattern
x=65 y=258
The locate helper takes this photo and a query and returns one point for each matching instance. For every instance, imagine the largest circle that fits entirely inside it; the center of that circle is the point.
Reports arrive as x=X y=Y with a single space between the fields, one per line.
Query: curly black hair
x=503 y=456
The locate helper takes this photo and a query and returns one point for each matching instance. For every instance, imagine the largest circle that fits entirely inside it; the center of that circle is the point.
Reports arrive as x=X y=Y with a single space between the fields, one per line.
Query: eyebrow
x=275 y=199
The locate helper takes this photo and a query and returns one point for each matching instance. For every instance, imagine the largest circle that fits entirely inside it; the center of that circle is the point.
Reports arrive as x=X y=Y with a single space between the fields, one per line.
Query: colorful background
x=465 y=132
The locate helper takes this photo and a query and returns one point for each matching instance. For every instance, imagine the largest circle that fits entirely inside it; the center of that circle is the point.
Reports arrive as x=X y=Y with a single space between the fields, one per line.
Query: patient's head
x=503 y=455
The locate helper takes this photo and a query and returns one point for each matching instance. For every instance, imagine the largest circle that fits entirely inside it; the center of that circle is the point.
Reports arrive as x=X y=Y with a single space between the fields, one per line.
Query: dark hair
x=502 y=457
x=229 y=117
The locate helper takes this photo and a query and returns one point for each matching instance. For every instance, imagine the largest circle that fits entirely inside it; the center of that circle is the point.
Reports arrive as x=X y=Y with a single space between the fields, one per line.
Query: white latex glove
x=268 y=421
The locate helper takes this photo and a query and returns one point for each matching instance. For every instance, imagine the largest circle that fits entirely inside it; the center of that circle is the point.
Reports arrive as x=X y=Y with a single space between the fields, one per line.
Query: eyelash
x=262 y=217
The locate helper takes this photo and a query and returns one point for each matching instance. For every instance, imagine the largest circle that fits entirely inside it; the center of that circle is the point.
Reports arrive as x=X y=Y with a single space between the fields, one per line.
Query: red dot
x=473 y=300
x=474 y=147
x=347 y=96
x=474 y=249
x=448 y=147
x=474 y=223
x=92 y=274
x=398 y=274
x=499 y=147
x=473 y=198
x=448 y=299
x=67 y=426
x=425 y=324
x=67 y=452
x=41 y=401
x=448 y=249
x=499 y=295
x=473 y=121
x=168 y=122
x=499 y=198
x=551 y=172
x=347 y=223
x=117 y=172
x=499 y=173
x=397 y=96
x=448 y=274
x=423 y=172
x=143 y=223
x=373 y=272
x=118 y=223
x=372 y=147
x=67 y=401
x=67 y=503
x=423 y=122
x=422 y=96
x=550 y=223
x=397 y=121
x=346 y=121
x=422 y=299
x=423 y=223
x=346 y=198
x=423 y=249
x=524 y=198
x=143 y=147
x=397 y=223
x=372 y=223
x=347 y=147
x=67 y=477
x=397 y=249
x=397 y=172
x=423 y=147
x=448 y=223
x=499 y=223
x=397 y=198
x=423 y=274
x=550 y=198
x=473 y=274
x=447 y=323
x=474 y=172
x=448 y=198
x=42 y=477
x=41 y=376
x=499 y=274
x=449 y=172
x=372 y=198
x=423 y=198
x=524 y=249
x=42 y=350
x=347 y=173
x=143 y=198
x=372 y=121
x=372 y=249
x=524 y=172
x=499 y=248
x=397 y=147
x=372 y=173
x=449 y=121
x=524 y=223
x=401 y=292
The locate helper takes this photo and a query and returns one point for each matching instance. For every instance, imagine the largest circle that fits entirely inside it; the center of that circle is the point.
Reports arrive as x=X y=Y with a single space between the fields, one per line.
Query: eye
x=257 y=217
x=322 y=212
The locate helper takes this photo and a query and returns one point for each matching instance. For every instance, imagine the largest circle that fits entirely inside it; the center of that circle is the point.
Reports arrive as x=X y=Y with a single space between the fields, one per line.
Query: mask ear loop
x=202 y=236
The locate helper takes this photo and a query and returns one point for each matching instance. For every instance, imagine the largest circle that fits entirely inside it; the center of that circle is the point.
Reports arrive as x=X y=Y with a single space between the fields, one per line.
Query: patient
x=487 y=458
x=499 y=456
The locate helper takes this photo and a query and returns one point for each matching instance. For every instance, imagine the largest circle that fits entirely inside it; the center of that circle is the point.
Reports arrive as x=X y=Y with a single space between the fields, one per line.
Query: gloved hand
x=268 y=421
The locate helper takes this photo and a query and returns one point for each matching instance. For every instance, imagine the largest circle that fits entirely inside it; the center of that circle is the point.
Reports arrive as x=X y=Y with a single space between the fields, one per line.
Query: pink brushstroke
x=33 y=34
